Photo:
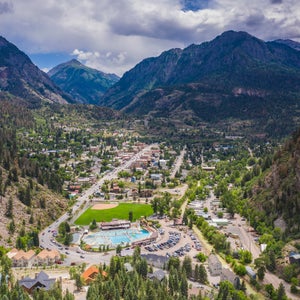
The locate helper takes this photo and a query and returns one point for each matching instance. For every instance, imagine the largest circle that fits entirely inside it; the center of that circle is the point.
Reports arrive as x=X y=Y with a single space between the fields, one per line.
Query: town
x=180 y=205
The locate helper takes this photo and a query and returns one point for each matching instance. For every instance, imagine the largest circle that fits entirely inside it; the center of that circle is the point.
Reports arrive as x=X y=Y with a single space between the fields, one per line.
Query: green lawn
x=120 y=212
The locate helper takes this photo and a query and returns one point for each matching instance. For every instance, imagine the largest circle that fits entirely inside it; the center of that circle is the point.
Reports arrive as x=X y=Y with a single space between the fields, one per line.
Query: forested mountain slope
x=236 y=75
x=29 y=191
x=84 y=84
x=276 y=196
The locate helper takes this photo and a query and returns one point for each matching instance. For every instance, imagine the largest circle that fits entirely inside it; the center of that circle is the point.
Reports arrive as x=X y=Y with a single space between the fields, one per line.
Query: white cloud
x=116 y=35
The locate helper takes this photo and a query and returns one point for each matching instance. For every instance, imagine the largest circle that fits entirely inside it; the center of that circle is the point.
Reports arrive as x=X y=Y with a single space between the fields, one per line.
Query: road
x=74 y=254
x=178 y=162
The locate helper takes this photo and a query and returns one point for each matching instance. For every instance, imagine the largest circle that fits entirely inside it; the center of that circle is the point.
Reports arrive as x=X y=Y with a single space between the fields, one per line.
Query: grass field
x=120 y=212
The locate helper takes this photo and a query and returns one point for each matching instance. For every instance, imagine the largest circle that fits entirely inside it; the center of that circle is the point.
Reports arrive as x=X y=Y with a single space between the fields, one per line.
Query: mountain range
x=84 y=84
x=20 y=78
x=235 y=75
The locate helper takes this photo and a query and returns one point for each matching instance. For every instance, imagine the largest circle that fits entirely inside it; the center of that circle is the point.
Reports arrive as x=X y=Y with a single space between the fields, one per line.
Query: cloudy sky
x=114 y=35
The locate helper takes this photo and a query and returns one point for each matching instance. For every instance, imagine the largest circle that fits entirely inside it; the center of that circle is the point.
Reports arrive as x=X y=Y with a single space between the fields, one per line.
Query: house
x=40 y=281
x=90 y=274
x=228 y=275
x=23 y=259
x=12 y=253
x=157 y=261
x=156 y=176
x=163 y=163
x=146 y=193
x=294 y=258
x=214 y=265
x=158 y=274
x=47 y=257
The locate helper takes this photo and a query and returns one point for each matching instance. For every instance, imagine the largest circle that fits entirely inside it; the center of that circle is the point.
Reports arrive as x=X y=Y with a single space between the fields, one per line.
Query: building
x=214 y=265
x=228 y=275
x=119 y=224
x=47 y=257
x=157 y=261
x=163 y=163
x=158 y=275
x=90 y=274
x=40 y=281
x=23 y=259
x=156 y=177
x=294 y=258
x=220 y=222
x=12 y=253
x=146 y=193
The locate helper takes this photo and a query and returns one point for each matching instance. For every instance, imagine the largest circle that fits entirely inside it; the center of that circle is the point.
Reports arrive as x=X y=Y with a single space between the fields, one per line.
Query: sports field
x=121 y=211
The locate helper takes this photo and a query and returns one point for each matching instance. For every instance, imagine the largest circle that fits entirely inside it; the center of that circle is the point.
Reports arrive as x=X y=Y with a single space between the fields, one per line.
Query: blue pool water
x=116 y=237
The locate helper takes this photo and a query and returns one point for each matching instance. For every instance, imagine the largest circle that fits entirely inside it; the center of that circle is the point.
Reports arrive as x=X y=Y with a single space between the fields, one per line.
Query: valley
x=184 y=184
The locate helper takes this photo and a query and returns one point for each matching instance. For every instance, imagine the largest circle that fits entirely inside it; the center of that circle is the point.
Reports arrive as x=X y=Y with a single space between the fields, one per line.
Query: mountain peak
x=235 y=38
x=74 y=62
x=85 y=84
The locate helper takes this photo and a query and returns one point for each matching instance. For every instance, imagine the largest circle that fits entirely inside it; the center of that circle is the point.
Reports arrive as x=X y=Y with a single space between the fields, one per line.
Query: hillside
x=84 y=84
x=20 y=77
x=233 y=76
x=276 y=196
x=30 y=196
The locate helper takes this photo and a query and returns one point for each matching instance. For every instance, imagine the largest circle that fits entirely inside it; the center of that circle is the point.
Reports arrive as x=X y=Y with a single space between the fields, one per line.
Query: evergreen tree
x=202 y=276
x=27 y=196
x=187 y=266
x=281 y=292
x=196 y=273
x=130 y=216
x=78 y=282
x=12 y=227
x=9 y=208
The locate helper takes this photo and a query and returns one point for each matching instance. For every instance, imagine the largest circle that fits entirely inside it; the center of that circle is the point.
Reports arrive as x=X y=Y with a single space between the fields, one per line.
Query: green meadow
x=120 y=212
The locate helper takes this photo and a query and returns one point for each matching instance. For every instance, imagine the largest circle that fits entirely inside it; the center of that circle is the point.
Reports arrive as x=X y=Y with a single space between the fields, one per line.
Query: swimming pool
x=116 y=237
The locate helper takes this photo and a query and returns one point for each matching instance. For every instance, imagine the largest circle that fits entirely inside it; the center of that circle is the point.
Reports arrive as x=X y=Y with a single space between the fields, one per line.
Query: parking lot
x=174 y=241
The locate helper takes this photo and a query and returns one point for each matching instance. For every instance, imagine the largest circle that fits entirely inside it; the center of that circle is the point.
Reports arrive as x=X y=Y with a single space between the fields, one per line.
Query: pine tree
x=27 y=197
x=196 y=273
x=202 y=274
x=187 y=266
x=184 y=285
x=9 y=208
x=281 y=292
x=11 y=227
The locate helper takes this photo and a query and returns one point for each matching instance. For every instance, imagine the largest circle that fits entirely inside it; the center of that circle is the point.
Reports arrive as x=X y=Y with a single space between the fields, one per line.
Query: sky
x=114 y=35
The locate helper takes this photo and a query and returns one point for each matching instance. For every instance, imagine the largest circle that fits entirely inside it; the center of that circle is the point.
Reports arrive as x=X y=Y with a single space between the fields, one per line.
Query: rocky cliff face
x=21 y=78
